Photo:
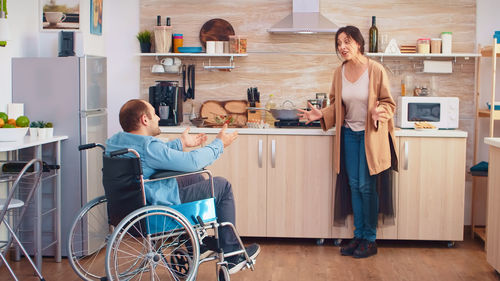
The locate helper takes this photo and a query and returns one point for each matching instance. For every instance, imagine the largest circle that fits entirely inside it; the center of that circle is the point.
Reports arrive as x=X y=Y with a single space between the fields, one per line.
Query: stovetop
x=296 y=124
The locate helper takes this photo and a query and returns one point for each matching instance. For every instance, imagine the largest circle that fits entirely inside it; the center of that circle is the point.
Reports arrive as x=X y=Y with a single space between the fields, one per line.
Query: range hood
x=305 y=19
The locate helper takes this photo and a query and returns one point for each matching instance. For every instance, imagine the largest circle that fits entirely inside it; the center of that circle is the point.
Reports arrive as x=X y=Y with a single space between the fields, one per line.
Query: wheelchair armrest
x=167 y=174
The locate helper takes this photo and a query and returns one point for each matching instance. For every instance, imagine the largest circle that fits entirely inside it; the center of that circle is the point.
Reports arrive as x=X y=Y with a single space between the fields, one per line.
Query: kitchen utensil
x=184 y=82
x=191 y=83
x=215 y=30
x=198 y=122
x=281 y=114
x=190 y=49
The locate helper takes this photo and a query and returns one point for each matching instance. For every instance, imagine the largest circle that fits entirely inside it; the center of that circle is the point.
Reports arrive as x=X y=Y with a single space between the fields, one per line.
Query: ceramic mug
x=157 y=68
x=55 y=17
x=167 y=61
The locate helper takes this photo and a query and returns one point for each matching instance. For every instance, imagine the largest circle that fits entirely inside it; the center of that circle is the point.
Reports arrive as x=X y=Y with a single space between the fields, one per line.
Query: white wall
x=117 y=43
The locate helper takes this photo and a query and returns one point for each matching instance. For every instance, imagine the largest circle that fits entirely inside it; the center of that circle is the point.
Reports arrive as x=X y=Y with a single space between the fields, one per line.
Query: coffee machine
x=166 y=98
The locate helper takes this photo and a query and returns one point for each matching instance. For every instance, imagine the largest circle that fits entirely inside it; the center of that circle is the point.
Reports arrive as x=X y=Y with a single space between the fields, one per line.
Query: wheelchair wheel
x=153 y=243
x=223 y=274
x=87 y=241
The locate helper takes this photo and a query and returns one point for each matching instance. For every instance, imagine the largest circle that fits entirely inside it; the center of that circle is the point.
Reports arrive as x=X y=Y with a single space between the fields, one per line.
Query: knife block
x=254 y=115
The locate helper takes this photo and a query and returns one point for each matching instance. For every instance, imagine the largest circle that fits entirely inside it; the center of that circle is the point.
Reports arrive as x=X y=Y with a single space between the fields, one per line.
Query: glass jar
x=424 y=46
x=243 y=44
x=446 y=37
x=178 y=41
x=436 y=45
x=234 y=45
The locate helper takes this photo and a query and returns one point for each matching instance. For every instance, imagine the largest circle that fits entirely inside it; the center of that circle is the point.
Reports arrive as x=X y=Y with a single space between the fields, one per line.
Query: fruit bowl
x=12 y=134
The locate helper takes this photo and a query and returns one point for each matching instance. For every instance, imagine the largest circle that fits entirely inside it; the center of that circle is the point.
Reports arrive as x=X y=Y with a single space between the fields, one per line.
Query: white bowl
x=12 y=134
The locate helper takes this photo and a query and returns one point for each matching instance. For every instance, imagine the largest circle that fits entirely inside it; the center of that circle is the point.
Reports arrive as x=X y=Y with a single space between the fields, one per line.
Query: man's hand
x=379 y=114
x=192 y=140
x=226 y=139
x=312 y=115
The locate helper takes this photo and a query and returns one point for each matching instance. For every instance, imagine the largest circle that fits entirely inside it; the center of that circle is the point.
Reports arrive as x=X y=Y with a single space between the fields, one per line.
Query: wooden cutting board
x=234 y=108
x=215 y=30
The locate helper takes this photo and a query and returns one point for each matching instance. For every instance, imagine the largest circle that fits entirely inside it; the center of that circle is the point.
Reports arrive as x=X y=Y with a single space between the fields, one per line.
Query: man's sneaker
x=365 y=249
x=349 y=249
x=238 y=262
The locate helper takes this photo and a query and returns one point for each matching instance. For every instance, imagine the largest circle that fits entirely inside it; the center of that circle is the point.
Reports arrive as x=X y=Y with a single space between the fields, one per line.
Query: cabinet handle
x=405 y=166
x=273 y=153
x=260 y=153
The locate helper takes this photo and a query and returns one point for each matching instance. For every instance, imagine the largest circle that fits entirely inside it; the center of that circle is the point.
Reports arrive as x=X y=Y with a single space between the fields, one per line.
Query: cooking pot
x=281 y=114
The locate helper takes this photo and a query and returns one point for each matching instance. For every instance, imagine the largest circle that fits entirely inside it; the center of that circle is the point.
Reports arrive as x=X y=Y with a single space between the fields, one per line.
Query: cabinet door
x=244 y=164
x=431 y=188
x=299 y=186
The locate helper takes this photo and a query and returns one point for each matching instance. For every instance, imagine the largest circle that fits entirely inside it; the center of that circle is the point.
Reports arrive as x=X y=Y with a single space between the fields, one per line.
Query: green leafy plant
x=41 y=124
x=144 y=36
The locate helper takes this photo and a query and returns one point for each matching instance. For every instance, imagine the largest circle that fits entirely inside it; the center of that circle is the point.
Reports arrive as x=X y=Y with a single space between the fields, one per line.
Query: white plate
x=426 y=129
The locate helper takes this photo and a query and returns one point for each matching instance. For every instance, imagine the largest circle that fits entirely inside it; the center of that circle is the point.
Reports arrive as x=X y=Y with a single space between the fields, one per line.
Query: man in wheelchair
x=140 y=125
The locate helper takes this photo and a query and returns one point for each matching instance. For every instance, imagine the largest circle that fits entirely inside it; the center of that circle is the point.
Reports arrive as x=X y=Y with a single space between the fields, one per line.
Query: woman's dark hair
x=352 y=32
x=131 y=112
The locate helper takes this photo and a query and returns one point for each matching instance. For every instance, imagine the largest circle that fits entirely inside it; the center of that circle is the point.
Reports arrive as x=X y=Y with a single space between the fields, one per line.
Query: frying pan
x=281 y=114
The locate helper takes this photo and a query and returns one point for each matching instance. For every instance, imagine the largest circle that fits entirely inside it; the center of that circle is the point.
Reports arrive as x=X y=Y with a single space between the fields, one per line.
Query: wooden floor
x=302 y=259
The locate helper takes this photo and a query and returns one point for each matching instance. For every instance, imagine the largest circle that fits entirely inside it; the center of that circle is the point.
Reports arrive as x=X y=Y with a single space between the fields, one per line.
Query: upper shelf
x=416 y=55
x=486 y=51
x=190 y=55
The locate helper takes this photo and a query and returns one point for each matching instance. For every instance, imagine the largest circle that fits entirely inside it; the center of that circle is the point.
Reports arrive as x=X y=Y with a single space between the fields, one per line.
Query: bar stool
x=32 y=171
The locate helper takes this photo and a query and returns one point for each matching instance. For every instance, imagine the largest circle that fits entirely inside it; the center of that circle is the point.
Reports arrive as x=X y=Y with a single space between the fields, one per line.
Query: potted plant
x=34 y=126
x=45 y=129
x=144 y=38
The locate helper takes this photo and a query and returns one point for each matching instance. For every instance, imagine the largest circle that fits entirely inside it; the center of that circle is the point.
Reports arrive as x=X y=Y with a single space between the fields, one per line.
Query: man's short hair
x=131 y=113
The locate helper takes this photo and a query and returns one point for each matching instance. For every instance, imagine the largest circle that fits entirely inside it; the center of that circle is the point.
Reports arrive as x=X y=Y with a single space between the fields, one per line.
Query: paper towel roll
x=15 y=110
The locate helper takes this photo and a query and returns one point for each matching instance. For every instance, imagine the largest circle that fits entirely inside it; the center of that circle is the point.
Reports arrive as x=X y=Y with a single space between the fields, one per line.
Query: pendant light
x=4 y=24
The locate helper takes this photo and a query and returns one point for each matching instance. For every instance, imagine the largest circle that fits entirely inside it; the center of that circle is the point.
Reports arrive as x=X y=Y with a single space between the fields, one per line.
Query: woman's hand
x=192 y=140
x=312 y=115
x=379 y=114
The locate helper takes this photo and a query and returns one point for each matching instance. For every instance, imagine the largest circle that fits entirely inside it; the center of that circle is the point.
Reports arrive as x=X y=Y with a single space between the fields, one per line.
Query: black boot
x=365 y=249
x=348 y=249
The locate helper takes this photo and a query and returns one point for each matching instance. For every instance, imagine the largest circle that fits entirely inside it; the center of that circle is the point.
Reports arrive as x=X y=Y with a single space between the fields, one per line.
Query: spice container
x=436 y=45
x=178 y=42
x=234 y=44
x=446 y=46
x=243 y=44
x=424 y=46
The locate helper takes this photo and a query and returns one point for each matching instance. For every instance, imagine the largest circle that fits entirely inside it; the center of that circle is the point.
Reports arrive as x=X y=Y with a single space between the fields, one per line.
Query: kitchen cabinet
x=282 y=184
x=431 y=187
x=493 y=218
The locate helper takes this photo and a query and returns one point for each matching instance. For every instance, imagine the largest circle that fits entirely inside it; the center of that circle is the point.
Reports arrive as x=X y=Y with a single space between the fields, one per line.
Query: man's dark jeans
x=196 y=187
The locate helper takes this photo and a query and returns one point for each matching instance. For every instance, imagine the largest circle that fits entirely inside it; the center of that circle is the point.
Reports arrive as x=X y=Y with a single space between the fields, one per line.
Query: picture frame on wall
x=59 y=15
x=96 y=17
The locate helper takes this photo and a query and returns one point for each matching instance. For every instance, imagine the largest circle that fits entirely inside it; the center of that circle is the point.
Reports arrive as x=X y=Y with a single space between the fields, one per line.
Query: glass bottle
x=373 y=46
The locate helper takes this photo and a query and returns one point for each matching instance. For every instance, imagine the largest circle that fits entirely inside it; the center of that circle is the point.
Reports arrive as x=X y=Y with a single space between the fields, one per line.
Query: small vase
x=145 y=47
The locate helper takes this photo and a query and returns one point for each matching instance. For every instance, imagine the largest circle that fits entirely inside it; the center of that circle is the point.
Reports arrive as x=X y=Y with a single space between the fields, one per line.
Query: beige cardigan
x=379 y=142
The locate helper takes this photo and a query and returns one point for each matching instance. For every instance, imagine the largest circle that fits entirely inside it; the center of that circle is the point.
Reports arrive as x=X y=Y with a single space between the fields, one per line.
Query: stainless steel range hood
x=305 y=19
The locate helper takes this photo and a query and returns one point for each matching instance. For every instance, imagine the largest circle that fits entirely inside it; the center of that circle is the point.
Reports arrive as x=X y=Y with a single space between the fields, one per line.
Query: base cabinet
x=493 y=219
x=282 y=184
x=431 y=188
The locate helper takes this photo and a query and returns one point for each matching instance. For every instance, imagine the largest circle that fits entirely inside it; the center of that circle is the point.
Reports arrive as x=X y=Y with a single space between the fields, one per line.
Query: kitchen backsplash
x=296 y=67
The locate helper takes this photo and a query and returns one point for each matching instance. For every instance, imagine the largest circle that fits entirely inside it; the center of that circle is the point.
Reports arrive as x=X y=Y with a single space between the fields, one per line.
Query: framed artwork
x=96 y=17
x=60 y=14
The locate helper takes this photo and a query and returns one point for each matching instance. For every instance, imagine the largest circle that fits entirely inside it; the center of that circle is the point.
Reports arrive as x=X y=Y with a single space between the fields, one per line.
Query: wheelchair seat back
x=121 y=177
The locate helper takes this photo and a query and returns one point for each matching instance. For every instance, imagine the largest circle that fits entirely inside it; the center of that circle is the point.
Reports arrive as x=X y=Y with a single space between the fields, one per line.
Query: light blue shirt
x=159 y=155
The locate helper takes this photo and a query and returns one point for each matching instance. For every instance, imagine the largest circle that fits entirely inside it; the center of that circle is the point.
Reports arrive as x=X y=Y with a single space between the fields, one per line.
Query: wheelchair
x=119 y=237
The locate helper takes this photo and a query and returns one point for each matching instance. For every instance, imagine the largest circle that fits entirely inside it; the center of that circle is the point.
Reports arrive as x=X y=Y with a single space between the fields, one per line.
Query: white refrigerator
x=71 y=92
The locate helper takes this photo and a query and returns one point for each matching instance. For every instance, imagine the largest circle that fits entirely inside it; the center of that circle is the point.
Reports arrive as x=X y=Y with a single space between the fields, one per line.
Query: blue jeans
x=363 y=186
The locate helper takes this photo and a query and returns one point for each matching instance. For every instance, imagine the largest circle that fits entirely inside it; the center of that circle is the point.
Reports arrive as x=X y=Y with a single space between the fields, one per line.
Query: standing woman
x=361 y=111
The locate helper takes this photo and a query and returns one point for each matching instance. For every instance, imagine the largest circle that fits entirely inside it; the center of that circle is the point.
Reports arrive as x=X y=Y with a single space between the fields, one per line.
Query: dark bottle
x=168 y=21
x=373 y=47
x=158 y=20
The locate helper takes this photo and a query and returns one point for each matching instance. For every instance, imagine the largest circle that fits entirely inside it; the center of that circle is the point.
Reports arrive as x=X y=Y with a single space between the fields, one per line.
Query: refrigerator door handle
x=96 y=112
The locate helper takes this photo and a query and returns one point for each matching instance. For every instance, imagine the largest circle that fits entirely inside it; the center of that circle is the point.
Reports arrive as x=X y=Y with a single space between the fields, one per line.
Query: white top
x=355 y=98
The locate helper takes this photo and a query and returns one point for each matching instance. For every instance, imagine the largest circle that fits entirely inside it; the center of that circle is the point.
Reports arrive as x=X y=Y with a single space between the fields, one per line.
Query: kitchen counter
x=492 y=141
x=315 y=132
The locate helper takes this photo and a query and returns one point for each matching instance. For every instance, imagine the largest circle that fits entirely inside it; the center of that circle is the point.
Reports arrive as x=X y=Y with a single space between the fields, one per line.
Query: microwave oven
x=441 y=112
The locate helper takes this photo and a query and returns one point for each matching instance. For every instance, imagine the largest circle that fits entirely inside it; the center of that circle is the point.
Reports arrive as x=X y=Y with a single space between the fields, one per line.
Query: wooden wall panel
x=296 y=67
